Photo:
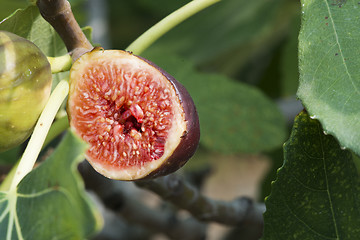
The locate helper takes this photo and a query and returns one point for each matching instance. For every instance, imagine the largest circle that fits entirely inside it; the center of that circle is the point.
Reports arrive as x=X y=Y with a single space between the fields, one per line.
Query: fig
x=25 y=86
x=138 y=120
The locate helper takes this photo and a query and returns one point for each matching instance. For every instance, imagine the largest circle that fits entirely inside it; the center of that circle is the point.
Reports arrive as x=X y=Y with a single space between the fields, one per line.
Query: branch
x=115 y=226
x=115 y=197
x=58 y=13
x=235 y=213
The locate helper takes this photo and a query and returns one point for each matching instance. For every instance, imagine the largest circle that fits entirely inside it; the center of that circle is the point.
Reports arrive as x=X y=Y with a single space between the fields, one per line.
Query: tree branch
x=235 y=213
x=115 y=197
x=58 y=13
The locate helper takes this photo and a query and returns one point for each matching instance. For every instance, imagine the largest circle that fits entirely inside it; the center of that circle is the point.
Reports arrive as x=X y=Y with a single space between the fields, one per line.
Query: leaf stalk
x=41 y=129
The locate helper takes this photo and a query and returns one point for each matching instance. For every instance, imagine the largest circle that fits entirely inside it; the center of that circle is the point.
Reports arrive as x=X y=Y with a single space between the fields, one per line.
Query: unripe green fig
x=25 y=86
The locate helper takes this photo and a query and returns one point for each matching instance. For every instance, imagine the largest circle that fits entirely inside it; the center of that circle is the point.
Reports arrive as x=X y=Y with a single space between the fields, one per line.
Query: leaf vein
x=340 y=48
x=327 y=184
x=304 y=223
x=306 y=186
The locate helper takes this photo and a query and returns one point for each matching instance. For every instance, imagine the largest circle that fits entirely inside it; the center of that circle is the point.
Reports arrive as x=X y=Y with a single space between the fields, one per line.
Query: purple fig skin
x=190 y=139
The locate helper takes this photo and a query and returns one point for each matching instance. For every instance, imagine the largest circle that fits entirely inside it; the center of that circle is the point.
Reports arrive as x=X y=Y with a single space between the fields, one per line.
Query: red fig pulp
x=138 y=120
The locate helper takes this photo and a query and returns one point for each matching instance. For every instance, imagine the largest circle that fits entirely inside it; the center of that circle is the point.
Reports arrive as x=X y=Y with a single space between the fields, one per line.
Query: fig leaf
x=50 y=201
x=329 y=67
x=29 y=24
x=317 y=190
x=234 y=117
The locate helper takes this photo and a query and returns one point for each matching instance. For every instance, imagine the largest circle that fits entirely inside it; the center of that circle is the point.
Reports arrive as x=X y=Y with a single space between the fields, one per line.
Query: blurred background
x=238 y=59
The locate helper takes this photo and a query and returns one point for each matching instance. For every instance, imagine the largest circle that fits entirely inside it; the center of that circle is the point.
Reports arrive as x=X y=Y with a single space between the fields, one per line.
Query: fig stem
x=58 y=13
x=60 y=64
x=166 y=24
x=41 y=129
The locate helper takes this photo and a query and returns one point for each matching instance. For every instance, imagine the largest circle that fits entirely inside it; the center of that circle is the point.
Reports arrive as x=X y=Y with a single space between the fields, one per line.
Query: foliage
x=238 y=59
x=329 y=83
x=316 y=193
x=50 y=200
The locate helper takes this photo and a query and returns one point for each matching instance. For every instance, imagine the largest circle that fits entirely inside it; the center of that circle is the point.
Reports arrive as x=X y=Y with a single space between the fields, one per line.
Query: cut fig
x=139 y=121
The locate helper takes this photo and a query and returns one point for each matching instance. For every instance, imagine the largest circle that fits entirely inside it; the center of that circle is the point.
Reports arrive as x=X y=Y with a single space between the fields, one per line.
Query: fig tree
x=139 y=121
x=25 y=85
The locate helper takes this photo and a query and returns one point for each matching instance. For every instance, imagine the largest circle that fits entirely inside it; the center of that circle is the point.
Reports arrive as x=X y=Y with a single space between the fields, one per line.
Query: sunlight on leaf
x=317 y=190
x=50 y=201
x=329 y=67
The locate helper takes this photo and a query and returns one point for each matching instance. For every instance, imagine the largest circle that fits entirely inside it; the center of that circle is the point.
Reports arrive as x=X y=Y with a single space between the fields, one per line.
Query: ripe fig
x=25 y=85
x=138 y=120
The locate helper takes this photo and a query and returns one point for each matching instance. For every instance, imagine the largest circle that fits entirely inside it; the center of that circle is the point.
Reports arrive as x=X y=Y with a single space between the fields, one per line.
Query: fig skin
x=186 y=135
x=190 y=139
x=25 y=86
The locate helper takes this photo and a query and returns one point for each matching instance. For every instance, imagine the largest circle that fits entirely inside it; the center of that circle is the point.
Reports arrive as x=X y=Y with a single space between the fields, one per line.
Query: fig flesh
x=25 y=85
x=138 y=120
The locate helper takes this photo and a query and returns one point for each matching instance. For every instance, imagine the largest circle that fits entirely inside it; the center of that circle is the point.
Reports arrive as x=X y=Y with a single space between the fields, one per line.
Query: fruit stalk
x=166 y=24
x=58 y=13
x=60 y=64
x=41 y=129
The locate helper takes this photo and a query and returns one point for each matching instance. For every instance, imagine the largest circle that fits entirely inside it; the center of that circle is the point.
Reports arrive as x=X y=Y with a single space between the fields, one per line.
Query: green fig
x=25 y=86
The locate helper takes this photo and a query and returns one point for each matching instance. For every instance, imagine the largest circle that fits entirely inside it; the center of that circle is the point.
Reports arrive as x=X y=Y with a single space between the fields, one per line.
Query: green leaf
x=28 y=23
x=234 y=117
x=10 y=156
x=10 y=6
x=50 y=202
x=317 y=191
x=166 y=6
x=329 y=67
x=225 y=36
x=289 y=60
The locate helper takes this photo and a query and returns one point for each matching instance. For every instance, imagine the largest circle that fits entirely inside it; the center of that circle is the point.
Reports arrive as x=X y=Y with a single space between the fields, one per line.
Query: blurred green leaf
x=10 y=156
x=50 y=201
x=166 y=6
x=234 y=117
x=329 y=67
x=281 y=77
x=316 y=194
x=11 y=5
x=225 y=36
x=289 y=60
